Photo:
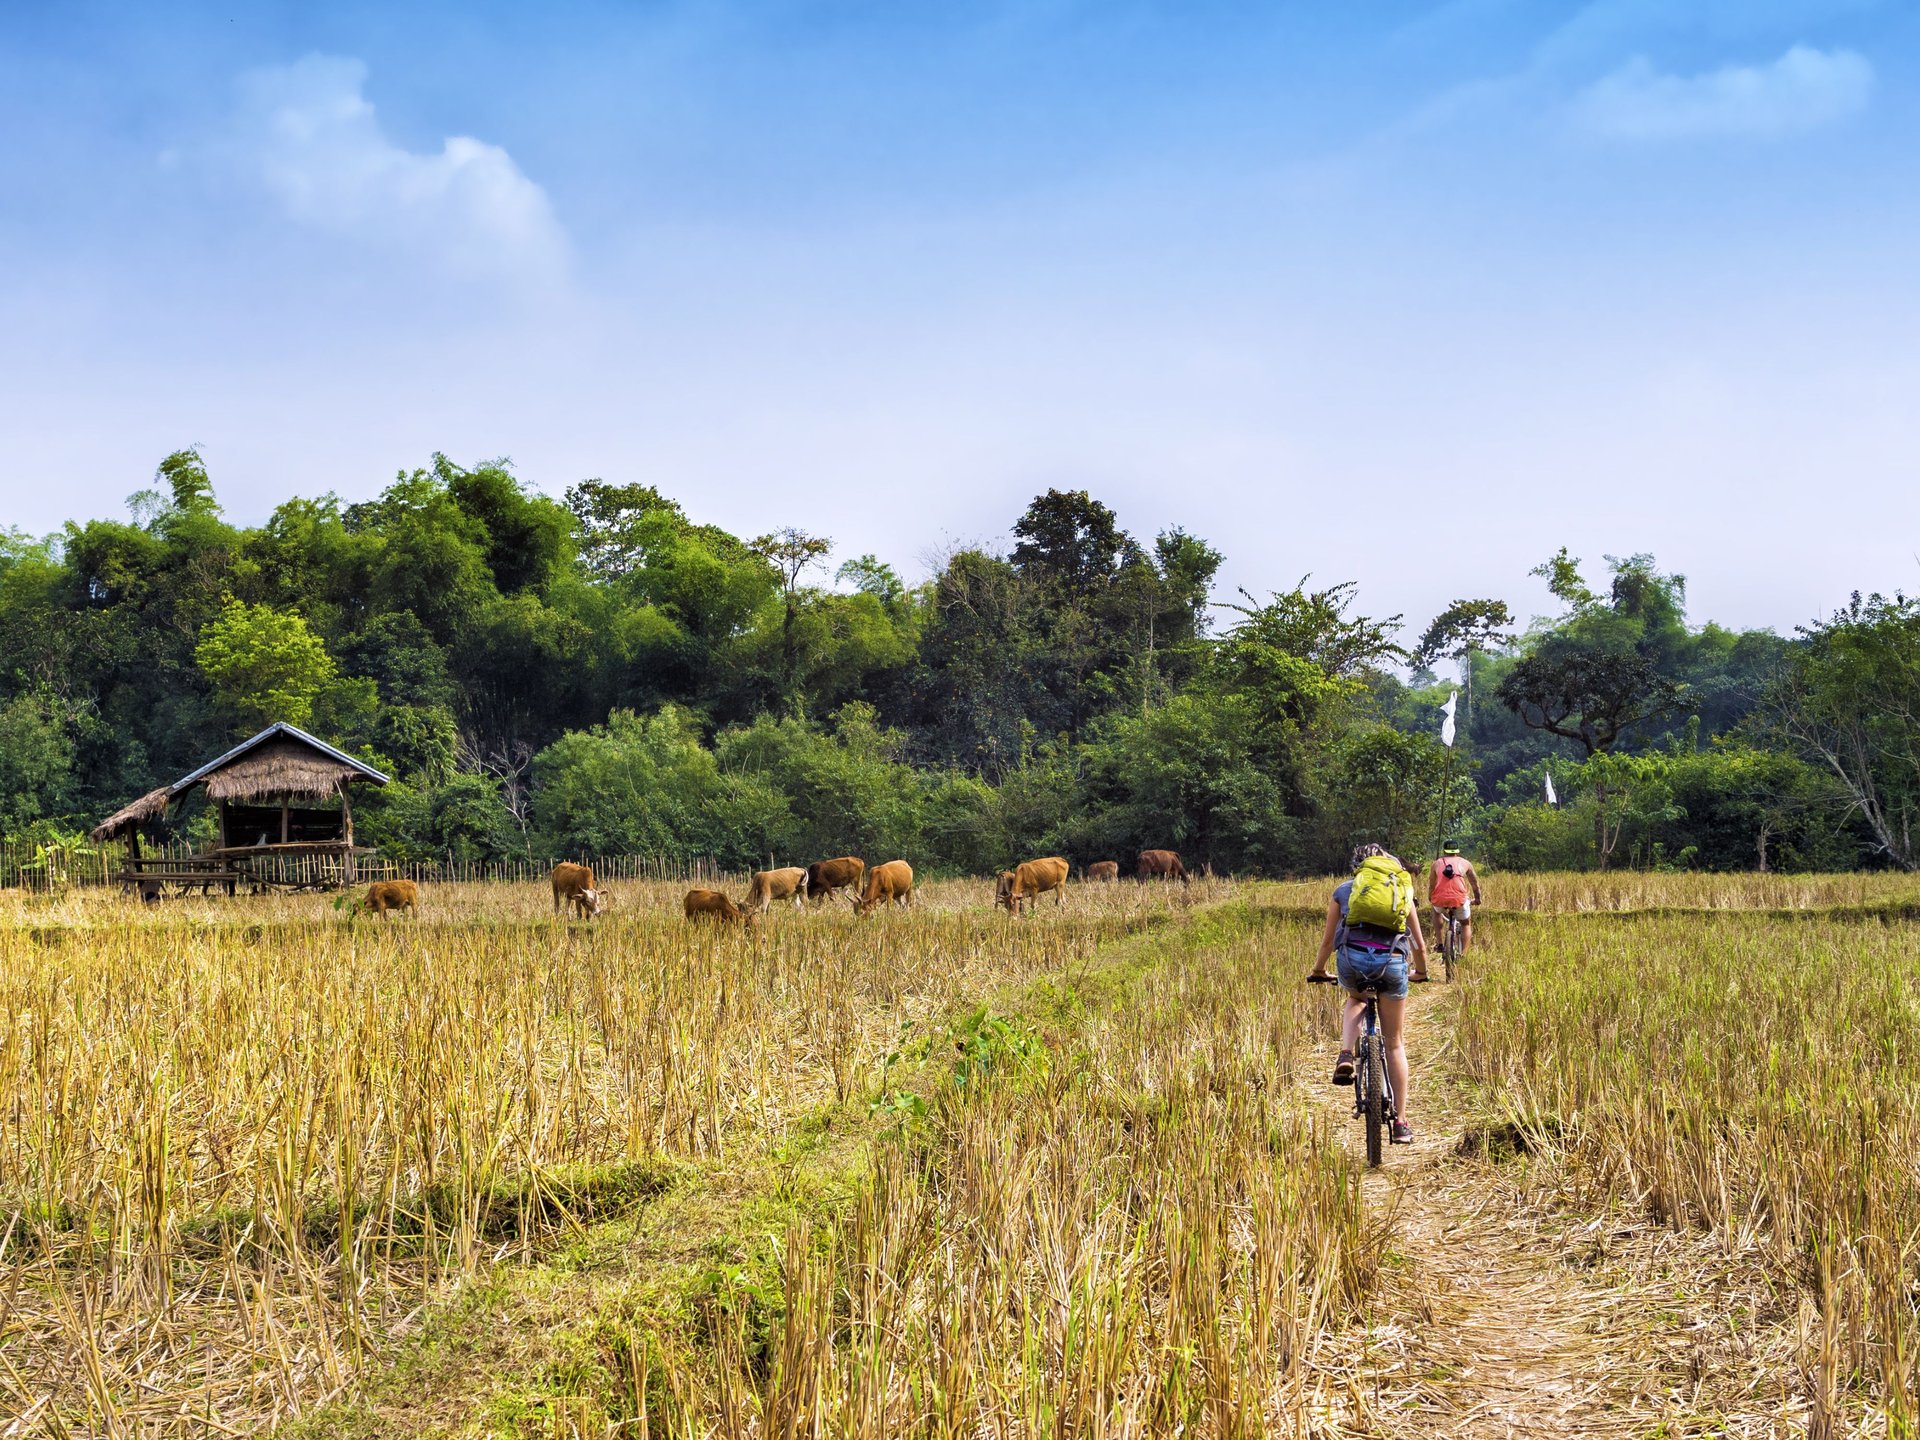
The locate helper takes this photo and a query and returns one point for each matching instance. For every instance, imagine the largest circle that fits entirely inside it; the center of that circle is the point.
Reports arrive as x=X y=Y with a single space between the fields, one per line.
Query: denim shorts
x=1382 y=970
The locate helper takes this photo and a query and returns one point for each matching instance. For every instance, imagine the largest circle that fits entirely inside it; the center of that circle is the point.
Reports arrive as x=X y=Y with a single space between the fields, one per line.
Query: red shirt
x=1448 y=890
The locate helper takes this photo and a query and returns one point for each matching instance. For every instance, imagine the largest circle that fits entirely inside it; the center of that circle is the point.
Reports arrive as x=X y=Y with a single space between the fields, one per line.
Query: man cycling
x=1448 y=880
x=1373 y=959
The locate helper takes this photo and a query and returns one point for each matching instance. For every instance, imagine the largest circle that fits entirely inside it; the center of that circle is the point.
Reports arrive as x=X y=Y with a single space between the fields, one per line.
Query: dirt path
x=1494 y=1318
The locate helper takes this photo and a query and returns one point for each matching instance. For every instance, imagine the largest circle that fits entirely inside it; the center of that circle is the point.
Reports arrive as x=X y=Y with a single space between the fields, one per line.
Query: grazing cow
x=826 y=876
x=573 y=885
x=385 y=895
x=1104 y=871
x=712 y=905
x=1030 y=880
x=1161 y=865
x=771 y=885
x=892 y=881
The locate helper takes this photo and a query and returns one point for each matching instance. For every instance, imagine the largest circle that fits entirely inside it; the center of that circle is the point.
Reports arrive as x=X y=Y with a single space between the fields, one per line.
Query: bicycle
x=1450 y=938
x=1373 y=1099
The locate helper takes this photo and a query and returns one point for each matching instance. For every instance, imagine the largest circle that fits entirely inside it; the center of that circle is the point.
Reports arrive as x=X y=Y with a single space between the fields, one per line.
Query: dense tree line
x=600 y=674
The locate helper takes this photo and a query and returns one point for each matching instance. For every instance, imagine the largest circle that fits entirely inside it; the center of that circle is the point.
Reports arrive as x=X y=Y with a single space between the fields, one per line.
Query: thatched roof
x=150 y=806
x=281 y=768
x=281 y=761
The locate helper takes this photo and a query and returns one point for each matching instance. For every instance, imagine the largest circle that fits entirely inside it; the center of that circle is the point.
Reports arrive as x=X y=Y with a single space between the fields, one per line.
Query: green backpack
x=1382 y=895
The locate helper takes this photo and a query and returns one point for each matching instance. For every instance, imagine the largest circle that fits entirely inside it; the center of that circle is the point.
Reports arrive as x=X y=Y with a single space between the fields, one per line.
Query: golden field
x=267 y=1163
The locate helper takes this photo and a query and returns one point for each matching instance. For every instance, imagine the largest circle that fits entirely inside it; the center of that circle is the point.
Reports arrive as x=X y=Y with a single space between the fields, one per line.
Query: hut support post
x=347 y=868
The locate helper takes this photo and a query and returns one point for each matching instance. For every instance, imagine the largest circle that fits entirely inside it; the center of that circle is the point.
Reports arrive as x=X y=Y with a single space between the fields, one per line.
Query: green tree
x=1848 y=700
x=36 y=761
x=792 y=553
x=1188 y=775
x=1380 y=784
x=1460 y=632
x=980 y=678
x=1301 y=657
x=1587 y=695
x=264 y=664
x=1069 y=541
x=637 y=786
x=849 y=789
x=427 y=554
x=188 y=484
x=676 y=601
x=406 y=664
x=528 y=537
x=460 y=819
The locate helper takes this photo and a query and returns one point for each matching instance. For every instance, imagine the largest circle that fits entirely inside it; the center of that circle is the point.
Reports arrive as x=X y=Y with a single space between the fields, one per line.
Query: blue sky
x=1631 y=275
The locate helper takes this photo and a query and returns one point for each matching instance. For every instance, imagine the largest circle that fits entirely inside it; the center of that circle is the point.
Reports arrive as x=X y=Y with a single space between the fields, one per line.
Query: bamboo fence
x=21 y=865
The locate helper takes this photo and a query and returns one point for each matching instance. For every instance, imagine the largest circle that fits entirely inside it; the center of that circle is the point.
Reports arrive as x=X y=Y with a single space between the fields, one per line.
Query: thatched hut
x=281 y=796
x=125 y=822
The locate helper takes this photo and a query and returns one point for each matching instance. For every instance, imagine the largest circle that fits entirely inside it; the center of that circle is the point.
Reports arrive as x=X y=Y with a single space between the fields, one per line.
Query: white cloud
x=1803 y=90
x=1604 y=27
x=308 y=133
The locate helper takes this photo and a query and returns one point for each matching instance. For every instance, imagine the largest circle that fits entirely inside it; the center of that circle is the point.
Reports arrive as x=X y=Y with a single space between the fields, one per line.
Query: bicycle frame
x=1369 y=1071
x=1373 y=1098
x=1450 y=927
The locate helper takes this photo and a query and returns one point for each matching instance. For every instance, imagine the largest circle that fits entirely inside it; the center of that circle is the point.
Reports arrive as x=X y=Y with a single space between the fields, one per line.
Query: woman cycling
x=1373 y=959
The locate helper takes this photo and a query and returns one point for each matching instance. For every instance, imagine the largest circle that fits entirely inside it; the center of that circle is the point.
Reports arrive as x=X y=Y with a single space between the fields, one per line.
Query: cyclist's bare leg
x=1356 y=1008
x=1392 y=1011
x=1466 y=936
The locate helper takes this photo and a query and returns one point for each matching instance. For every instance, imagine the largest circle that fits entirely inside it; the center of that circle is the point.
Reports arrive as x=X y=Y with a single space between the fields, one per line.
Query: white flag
x=1552 y=799
x=1446 y=725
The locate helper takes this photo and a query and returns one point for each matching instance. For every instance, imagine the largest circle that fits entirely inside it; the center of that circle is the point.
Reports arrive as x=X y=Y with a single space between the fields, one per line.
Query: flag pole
x=1446 y=787
x=1446 y=778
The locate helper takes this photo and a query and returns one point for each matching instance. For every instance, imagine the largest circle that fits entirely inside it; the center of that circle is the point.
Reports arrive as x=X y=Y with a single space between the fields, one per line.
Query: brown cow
x=1161 y=865
x=1031 y=880
x=892 y=881
x=1104 y=871
x=712 y=905
x=573 y=885
x=385 y=895
x=771 y=885
x=826 y=876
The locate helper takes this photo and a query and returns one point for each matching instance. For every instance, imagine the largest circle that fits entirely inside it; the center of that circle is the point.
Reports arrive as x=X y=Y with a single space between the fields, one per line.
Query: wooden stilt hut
x=284 y=812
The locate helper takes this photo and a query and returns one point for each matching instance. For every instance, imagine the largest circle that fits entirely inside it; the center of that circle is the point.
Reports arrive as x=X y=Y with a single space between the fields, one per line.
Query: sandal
x=1343 y=1068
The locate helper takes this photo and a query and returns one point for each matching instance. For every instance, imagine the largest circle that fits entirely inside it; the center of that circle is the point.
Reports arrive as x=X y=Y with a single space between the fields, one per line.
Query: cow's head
x=595 y=901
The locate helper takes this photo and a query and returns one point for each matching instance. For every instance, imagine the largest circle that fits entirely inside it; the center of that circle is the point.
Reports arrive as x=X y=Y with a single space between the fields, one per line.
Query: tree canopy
x=603 y=672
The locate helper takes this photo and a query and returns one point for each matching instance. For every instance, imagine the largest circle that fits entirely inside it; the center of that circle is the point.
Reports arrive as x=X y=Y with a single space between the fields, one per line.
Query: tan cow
x=826 y=876
x=385 y=895
x=1030 y=880
x=573 y=885
x=771 y=885
x=1161 y=865
x=712 y=905
x=1104 y=871
x=891 y=882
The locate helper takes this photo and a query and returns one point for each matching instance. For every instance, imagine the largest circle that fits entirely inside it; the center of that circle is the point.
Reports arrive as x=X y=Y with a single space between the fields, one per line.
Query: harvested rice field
x=270 y=1167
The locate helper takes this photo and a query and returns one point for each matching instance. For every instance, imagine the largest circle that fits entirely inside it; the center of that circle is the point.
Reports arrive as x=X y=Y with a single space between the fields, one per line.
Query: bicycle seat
x=1372 y=992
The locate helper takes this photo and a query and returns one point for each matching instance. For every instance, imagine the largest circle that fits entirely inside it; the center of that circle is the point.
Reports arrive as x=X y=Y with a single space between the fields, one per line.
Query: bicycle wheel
x=1375 y=1104
x=1451 y=945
